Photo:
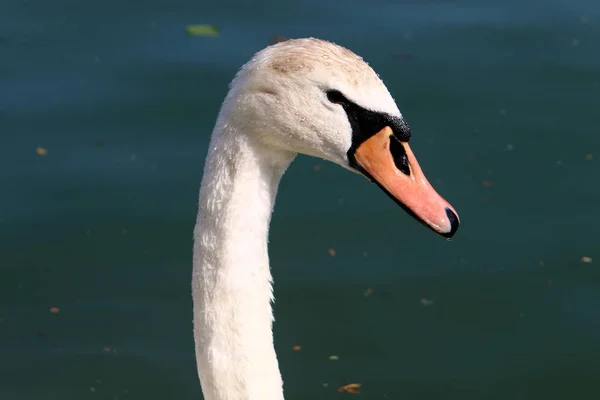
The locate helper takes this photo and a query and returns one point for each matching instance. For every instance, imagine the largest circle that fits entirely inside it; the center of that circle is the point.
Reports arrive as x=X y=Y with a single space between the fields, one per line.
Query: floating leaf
x=202 y=30
x=350 y=388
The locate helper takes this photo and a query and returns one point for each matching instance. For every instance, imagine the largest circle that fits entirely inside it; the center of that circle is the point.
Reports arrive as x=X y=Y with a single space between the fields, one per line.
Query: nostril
x=399 y=155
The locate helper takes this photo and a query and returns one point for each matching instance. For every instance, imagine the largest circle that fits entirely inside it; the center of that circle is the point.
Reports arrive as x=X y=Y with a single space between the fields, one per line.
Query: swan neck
x=232 y=283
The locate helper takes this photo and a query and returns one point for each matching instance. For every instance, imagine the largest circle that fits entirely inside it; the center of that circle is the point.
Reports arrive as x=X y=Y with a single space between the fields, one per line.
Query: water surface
x=502 y=98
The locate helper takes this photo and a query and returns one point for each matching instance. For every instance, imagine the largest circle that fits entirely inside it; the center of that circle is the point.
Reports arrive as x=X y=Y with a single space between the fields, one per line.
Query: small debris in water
x=331 y=251
x=41 y=151
x=368 y=292
x=54 y=310
x=426 y=302
x=296 y=348
x=202 y=30
x=334 y=358
x=317 y=168
x=487 y=184
x=586 y=259
x=350 y=388
x=589 y=157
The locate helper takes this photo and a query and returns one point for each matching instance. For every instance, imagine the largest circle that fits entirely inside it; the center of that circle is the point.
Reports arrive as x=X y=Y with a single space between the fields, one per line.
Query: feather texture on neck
x=232 y=284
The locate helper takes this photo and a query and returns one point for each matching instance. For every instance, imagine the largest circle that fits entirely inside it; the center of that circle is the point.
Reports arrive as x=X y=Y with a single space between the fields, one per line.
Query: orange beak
x=395 y=169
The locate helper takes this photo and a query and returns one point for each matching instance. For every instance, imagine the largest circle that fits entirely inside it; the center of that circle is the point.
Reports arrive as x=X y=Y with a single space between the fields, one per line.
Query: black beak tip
x=454 y=223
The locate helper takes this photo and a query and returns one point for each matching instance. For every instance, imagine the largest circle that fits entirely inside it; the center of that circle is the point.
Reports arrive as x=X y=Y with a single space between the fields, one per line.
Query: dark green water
x=503 y=99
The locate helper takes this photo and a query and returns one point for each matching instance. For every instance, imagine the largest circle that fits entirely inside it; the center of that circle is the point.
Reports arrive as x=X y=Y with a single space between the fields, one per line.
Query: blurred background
x=106 y=109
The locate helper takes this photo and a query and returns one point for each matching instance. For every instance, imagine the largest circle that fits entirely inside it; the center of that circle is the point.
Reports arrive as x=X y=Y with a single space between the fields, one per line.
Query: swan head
x=314 y=97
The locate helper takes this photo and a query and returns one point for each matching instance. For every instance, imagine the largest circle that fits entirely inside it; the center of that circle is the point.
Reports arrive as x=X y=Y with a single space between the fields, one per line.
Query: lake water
x=96 y=233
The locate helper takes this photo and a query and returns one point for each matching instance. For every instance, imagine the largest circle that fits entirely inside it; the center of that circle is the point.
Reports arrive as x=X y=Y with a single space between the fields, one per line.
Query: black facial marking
x=365 y=123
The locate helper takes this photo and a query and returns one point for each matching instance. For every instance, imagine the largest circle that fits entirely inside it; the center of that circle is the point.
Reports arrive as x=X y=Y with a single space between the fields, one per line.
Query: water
x=502 y=99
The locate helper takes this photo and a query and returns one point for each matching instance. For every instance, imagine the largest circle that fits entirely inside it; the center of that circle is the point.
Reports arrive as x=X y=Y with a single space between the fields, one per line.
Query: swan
x=305 y=96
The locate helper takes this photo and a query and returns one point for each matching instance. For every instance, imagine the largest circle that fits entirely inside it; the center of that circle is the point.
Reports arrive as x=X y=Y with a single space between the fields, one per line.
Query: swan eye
x=336 y=97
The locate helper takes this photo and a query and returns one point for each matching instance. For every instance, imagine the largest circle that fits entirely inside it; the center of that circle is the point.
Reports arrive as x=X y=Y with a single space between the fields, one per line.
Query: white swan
x=300 y=96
